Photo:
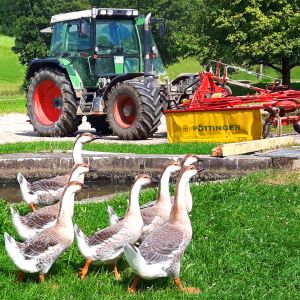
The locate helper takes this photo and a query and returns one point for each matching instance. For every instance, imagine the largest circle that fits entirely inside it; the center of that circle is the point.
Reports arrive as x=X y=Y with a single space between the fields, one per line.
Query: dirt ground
x=16 y=128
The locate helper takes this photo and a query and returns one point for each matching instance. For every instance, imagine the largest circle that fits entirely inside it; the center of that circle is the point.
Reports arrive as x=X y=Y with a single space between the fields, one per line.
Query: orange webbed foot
x=32 y=207
x=41 y=277
x=83 y=271
x=116 y=272
x=20 y=276
x=132 y=288
x=189 y=290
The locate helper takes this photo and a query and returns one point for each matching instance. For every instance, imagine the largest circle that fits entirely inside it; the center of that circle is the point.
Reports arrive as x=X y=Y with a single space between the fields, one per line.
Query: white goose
x=35 y=222
x=50 y=190
x=163 y=201
x=106 y=245
x=39 y=253
x=159 y=254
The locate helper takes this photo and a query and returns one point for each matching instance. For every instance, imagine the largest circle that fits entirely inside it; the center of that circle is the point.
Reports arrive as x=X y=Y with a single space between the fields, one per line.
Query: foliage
x=253 y=32
x=245 y=245
x=30 y=43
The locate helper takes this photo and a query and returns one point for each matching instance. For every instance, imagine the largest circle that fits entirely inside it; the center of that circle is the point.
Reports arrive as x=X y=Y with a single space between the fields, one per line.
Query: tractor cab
x=103 y=43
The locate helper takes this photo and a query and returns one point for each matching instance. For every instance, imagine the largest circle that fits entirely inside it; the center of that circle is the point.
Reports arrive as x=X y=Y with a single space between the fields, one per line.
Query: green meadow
x=11 y=72
x=245 y=245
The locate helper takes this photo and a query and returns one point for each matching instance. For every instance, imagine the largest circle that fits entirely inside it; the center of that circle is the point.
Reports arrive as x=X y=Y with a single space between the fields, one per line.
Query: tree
x=251 y=32
x=30 y=42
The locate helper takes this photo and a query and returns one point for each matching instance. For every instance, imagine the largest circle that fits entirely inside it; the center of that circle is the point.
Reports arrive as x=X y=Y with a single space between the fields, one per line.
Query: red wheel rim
x=124 y=111
x=47 y=102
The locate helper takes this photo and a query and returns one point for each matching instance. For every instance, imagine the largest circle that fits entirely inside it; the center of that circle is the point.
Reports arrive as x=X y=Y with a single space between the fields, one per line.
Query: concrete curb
x=124 y=167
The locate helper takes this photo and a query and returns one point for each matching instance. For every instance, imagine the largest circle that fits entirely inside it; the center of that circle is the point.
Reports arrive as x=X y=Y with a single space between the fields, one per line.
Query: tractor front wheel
x=52 y=104
x=134 y=109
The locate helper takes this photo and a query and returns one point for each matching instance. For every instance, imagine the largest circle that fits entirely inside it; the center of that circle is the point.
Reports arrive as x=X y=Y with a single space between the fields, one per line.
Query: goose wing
x=39 y=220
x=105 y=235
x=39 y=245
x=148 y=214
x=49 y=184
x=163 y=244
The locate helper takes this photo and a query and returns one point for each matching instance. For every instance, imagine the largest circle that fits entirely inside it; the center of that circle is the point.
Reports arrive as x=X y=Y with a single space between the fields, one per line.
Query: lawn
x=164 y=148
x=245 y=246
x=11 y=72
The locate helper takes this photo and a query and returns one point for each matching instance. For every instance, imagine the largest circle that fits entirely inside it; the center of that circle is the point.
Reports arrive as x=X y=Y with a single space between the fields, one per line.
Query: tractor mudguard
x=60 y=63
x=120 y=78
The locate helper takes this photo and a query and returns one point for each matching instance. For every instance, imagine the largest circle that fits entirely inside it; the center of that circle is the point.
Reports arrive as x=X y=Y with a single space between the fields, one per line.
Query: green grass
x=245 y=246
x=11 y=71
x=164 y=148
x=12 y=105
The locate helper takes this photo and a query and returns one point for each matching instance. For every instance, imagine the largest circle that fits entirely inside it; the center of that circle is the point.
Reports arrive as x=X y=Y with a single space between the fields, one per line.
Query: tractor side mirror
x=84 y=28
x=162 y=28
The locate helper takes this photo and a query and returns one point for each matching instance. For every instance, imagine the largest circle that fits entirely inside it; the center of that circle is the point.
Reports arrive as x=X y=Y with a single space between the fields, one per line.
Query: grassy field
x=11 y=72
x=165 y=148
x=245 y=246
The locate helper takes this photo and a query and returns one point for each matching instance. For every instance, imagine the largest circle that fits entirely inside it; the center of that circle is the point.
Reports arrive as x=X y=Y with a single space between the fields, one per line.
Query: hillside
x=11 y=72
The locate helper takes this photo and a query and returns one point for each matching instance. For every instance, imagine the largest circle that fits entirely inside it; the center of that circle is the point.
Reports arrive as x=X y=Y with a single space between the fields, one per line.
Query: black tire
x=134 y=109
x=52 y=104
x=99 y=123
x=297 y=127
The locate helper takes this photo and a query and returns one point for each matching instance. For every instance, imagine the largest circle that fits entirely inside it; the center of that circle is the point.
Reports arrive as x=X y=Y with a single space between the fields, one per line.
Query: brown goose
x=158 y=211
x=160 y=253
x=39 y=253
x=106 y=245
x=186 y=161
x=49 y=191
x=33 y=223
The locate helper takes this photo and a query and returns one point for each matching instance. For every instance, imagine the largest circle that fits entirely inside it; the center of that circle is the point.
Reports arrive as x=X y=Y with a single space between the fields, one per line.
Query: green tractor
x=102 y=64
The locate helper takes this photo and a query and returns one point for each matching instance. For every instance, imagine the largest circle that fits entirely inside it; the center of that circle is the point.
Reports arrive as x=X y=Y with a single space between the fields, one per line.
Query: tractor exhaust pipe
x=147 y=46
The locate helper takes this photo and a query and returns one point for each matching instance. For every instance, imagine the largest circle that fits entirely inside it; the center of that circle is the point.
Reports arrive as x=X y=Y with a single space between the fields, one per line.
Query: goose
x=106 y=245
x=39 y=253
x=50 y=190
x=160 y=253
x=151 y=208
x=187 y=160
x=35 y=222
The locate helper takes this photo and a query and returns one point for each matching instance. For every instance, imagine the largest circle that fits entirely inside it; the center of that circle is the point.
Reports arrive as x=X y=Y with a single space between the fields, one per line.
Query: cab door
x=78 y=49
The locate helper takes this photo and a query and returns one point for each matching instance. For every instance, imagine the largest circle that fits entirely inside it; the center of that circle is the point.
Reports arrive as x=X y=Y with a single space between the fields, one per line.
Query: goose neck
x=179 y=210
x=133 y=206
x=77 y=153
x=66 y=209
x=188 y=198
x=164 y=192
x=77 y=175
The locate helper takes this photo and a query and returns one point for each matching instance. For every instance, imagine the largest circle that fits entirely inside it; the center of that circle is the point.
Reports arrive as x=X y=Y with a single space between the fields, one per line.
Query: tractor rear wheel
x=134 y=109
x=99 y=123
x=52 y=104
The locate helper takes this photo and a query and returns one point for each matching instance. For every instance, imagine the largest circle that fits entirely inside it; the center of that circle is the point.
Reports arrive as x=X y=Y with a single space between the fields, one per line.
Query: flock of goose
x=153 y=237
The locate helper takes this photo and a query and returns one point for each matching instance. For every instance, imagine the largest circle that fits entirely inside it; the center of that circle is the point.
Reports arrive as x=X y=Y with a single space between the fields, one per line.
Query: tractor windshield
x=116 y=37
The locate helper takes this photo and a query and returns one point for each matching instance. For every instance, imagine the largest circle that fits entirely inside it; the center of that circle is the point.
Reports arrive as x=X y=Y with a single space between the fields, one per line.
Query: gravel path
x=16 y=128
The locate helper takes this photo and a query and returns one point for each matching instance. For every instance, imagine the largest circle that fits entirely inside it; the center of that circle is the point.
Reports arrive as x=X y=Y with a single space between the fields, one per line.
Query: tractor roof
x=101 y=12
